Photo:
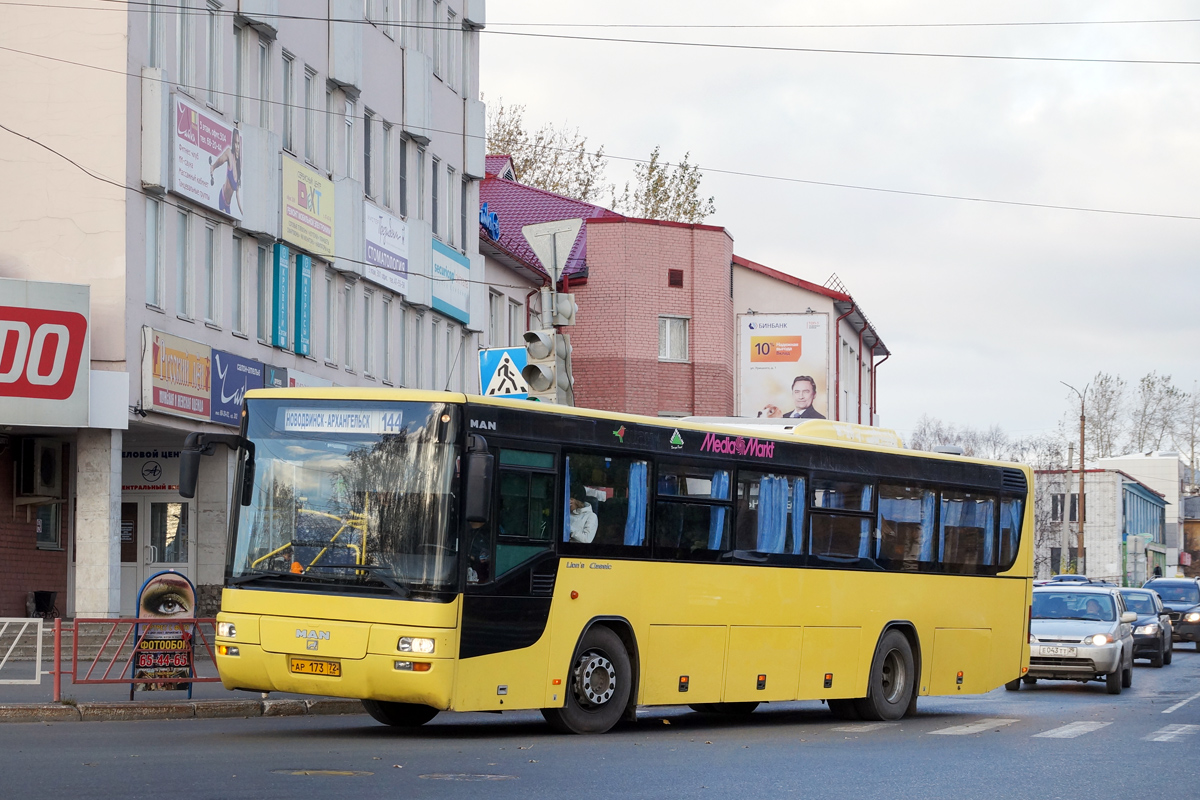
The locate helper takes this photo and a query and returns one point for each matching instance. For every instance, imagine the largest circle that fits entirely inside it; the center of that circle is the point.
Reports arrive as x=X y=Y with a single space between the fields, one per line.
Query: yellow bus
x=430 y=551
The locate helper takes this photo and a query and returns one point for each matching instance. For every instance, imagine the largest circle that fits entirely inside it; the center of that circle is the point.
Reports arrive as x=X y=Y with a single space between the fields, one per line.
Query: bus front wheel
x=399 y=715
x=598 y=686
x=893 y=679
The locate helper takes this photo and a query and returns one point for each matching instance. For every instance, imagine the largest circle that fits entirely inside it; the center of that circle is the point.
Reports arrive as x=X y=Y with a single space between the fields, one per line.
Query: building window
x=368 y=154
x=156 y=33
x=672 y=339
x=348 y=323
x=239 y=287
x=403 y=172
x=348 y=123
x=330 y=317
x=401 y=340
x=239 y=73
x=264 y=295
x=450 y=205
x=330 y=131
x=462 y=212
x=183 y=45
x=420 y=183
x=264 y=84
x=386 y=178
x=449 y=354
x=453 y=37
x=368 y=365
x=385 y=352
x=495 y=311
x=461 y=379
x=675 y=277
x=438 y=5
x=211 y=275
x=435 y=174
x=153 y=253
x=410 y=22
x=214 y=55
x=183 y=266
x=289 y=64
x=516 y=324
x=389 y=18
x=418 y=352
x=310 y=116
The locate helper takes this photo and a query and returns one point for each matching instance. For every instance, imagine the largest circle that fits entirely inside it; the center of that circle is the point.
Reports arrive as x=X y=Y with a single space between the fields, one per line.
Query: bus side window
x=525 y=513
x=1011 y=510
x=770 y=513
x=605 y=500
x=906 y=527
x=691 y=516
x=966 y=541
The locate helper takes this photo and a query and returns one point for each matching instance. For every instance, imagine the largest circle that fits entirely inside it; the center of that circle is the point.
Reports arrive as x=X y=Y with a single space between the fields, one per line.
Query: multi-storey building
x=1168 y=473
x=254 y=193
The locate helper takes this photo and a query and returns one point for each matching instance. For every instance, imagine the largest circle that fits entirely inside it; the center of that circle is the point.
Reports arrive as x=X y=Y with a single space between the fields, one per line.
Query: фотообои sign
x=451 y=282
x=386 y=250
x=206 y=159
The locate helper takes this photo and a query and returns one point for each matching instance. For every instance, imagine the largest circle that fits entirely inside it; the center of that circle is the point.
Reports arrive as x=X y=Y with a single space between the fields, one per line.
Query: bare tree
x=557 y=159
x=1187 y=425
x=666 y=191
x=1105 y=405
x=1156 y=406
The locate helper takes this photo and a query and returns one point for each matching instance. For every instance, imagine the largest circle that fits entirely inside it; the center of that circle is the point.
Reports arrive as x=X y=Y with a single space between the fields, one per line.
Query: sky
x=985 y=307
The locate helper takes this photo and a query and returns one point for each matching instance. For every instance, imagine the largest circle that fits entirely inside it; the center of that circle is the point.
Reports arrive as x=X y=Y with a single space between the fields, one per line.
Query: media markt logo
x=620 y=434
x=676 y=440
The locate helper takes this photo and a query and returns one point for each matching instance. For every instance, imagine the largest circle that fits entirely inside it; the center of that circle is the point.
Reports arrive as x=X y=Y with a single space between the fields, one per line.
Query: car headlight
x=1032 y=639
x=1192 y=617
x=226 y=630
x=1152 y=628
x=1099 y=638
x=411 y=644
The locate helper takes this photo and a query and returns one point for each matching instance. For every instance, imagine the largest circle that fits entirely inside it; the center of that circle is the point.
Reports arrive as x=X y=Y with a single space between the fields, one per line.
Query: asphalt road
x=1142 y=743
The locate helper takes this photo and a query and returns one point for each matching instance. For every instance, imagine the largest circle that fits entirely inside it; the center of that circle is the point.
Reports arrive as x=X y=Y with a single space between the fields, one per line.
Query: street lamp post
x=1082 y=516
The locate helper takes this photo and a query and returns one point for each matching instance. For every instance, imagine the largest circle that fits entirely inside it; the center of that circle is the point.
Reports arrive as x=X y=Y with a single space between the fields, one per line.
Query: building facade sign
x=45 y=353
x=386 y=249
x=303 y=304
x=232 y=376
x=451 y=276
x=302 y=380
x=783 y=365
x=176 y=375
x=307 y=209
x=280 y=261
x=206 y=159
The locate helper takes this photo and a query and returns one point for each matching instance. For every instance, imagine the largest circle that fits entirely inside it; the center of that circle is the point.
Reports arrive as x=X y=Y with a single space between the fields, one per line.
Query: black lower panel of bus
x=496 y=624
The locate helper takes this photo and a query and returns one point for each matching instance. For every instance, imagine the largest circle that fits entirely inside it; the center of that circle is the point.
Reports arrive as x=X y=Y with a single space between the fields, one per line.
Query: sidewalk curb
x=195 y=709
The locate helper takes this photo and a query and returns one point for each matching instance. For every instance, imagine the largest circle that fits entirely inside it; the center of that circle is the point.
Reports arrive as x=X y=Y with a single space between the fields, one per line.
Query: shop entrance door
x=156 y=535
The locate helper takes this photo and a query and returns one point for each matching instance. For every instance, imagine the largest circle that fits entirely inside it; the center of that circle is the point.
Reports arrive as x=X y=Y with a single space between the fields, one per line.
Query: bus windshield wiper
x=375 y=569
x=247 y=577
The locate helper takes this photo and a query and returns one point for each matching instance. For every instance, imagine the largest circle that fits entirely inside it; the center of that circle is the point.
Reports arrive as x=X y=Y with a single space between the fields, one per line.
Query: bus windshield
x=357 y=495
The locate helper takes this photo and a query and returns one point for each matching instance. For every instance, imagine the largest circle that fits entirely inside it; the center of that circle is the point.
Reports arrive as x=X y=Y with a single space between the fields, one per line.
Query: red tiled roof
x=519 y=205
x=494 y=163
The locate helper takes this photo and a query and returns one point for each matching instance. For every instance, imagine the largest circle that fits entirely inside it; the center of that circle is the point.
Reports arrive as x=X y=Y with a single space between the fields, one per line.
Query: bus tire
x=843 y=709
x=399 y=715
x=597 y=687
x=892 y=681
x=1013 y=686
x=730 y=709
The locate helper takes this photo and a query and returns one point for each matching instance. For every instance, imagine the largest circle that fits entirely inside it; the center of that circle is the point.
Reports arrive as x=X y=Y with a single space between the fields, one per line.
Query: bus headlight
x=1099 y=638
x=1152 y=628
x=227 y=630
x=412 y=644
x=1192 y=617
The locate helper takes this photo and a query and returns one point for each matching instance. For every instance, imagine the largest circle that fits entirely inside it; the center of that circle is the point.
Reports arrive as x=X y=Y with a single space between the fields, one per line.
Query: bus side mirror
x=189 y=468
x=479 y=487
x=248 y=479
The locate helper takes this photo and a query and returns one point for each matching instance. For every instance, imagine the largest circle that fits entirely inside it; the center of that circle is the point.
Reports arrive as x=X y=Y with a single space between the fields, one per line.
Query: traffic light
x=564 y=310
x=548 y=371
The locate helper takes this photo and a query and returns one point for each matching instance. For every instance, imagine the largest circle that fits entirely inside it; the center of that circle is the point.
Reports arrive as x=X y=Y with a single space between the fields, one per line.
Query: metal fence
x=17 y=635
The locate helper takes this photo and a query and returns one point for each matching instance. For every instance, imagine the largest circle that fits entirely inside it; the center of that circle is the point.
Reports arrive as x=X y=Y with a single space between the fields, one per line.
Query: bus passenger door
x=510 y=580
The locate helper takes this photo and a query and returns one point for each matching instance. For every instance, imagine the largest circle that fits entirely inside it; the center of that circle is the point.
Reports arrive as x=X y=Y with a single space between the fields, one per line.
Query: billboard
x=45 y=353
x=206 y=159
x=386 y=249
x=451 y=276
x=176 y=375
x=783 y=365
x=307 y=209
x=232 y=376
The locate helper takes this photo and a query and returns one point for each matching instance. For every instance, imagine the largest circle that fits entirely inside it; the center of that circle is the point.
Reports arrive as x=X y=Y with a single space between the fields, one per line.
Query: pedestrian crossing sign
x=500 y=372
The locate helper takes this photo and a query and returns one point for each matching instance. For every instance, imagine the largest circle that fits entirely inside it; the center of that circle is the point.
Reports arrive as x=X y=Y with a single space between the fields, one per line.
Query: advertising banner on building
x=275 y=377
x=307 y=209
x=45 y=353
x=280 y=261
x=206 y=159
x=783 y=365
x=302 y=380
x=386 y=249
x=176 y=375
x=303 y=334
x=232 y=376
x=451 y=276
x=150 y=469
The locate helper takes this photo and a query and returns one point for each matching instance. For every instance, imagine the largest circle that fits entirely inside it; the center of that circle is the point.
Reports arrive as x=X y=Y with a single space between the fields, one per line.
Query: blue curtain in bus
x=985 y=517
x=635 y=522
x=865 y=538
x=716 y=523
x=864 y=502
x=927 y=508
x=1010 y=523
x=567 y=500
x=772 y=514
x=799 y=507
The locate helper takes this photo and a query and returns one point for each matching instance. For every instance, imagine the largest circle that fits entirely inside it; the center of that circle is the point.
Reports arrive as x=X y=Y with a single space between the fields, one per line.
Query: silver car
x=1080 y=632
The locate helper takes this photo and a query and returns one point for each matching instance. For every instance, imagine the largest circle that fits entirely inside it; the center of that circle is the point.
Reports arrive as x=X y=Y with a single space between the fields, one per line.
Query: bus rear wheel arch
x=598 y=686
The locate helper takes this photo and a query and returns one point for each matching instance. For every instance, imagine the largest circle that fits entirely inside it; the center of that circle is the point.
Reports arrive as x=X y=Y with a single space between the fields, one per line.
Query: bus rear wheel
x=399 y=715
x=730 y=709
x=598 y=686
x=893 y=679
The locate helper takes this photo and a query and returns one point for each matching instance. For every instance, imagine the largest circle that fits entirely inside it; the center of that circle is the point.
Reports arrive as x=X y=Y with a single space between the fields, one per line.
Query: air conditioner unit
x=39 y=468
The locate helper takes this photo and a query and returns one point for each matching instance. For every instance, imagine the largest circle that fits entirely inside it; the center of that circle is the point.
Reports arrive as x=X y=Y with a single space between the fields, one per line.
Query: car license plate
x=308 y=666
x=1058 y=651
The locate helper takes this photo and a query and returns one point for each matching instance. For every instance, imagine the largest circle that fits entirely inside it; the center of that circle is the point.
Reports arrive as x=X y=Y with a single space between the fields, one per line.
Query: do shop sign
x=45 y=353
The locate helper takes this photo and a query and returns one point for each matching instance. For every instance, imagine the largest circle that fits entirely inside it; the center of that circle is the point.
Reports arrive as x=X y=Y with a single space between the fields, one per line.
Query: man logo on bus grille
x=301 y=633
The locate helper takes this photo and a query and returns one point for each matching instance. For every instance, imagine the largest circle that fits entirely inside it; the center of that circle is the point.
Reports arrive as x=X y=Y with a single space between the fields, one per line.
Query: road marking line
x=1172 y=733
x=1071 y=730
x=1181 y=703
x=975 y=727
x=864 y=727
